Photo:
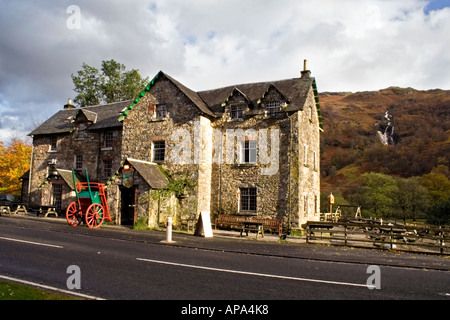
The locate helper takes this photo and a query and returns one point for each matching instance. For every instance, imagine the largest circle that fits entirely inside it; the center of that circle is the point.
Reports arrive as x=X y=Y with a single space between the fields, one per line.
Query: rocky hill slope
x=397 y=131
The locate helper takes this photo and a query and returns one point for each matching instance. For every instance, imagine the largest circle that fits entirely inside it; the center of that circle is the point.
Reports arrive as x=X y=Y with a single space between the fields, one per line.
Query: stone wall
x=183 y=161
x=90 y=146
x=308 y=162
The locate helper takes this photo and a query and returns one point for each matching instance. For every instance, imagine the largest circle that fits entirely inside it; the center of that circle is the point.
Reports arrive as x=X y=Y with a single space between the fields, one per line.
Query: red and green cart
x=90 y=205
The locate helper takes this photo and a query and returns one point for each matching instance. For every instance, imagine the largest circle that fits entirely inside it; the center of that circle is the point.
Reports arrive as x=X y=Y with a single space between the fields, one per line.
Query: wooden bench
x=229 y=220
x=273 y=225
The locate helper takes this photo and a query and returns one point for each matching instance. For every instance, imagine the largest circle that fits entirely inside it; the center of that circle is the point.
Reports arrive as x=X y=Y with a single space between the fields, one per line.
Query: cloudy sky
x=350 y=45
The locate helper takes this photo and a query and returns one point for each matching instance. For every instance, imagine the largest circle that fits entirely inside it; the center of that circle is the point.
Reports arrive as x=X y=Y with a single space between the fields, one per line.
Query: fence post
x=307 y=233
x=345 y=235
x=391 y=239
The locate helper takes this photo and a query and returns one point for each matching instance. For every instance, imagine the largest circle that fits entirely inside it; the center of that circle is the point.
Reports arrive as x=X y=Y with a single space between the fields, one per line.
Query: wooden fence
x=373 y=234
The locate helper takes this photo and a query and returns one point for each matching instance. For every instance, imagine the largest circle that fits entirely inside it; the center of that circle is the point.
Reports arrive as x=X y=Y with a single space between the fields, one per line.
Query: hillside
x=401 y=132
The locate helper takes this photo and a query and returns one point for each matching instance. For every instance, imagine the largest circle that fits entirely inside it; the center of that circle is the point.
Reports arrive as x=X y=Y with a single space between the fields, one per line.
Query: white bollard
x=169 y=230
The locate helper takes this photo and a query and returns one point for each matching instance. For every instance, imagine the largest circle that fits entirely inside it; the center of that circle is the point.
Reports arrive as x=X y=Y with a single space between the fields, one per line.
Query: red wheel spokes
x=94 y=215
x=72 y=215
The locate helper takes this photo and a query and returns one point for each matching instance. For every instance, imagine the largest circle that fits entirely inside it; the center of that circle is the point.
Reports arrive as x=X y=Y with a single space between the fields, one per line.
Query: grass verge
x=15 y=291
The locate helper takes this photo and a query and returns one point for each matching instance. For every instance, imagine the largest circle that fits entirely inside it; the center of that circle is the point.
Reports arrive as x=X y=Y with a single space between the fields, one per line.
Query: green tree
x=376 y=194
x=112 y=83
x=439 y=213
x=438 y=186
x=410 y=197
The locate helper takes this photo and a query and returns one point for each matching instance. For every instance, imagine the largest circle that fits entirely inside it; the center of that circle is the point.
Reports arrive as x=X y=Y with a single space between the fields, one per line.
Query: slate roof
x=149 y=171
x=101 y=116
x=209 y=103
x=295 y=90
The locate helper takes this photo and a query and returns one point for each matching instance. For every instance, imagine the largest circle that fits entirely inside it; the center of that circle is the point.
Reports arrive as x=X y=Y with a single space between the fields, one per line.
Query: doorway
x=128 y=209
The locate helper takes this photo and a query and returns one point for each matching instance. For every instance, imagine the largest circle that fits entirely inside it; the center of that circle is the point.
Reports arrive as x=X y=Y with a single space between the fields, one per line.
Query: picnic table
x=253 y=225
x=48 y=210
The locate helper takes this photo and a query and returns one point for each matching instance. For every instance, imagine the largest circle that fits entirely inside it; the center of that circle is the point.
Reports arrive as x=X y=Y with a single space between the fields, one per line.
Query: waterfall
x=386 y=129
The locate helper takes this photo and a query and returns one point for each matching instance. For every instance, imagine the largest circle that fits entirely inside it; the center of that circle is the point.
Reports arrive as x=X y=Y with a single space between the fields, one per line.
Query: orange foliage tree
x=14 y=162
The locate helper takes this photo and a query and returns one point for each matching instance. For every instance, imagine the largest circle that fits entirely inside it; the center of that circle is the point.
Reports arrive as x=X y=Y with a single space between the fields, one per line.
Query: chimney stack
x=69 y=105
x=305 y=71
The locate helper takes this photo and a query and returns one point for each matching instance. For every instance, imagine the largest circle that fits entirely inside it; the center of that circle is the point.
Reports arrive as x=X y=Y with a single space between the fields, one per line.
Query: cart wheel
x=94 y=215
x=72 y=215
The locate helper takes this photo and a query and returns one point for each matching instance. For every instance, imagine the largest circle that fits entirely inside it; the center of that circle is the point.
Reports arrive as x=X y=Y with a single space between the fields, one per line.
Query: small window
x=315 y=160
x=78 y=161
x=305 y=154
x=161 y=111
x=107 y=168
x=273 y=107
x=316 y=204
x=305 y=204
x=53 y=143
x=248 y=199
x=81 y=131
x=249 y=151
x=57 y=196
x=237 y=112
x=159 y=151
x=108 y=139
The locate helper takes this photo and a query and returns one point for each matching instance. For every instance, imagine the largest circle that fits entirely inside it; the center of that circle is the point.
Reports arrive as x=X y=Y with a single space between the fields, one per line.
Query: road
x=117 y=265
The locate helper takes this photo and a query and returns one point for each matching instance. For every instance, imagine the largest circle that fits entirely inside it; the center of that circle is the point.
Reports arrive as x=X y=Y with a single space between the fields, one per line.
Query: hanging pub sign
x=127 y=176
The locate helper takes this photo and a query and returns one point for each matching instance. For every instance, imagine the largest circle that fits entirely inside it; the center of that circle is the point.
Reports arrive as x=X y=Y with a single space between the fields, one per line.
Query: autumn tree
x=14 y=162
x=112 y=83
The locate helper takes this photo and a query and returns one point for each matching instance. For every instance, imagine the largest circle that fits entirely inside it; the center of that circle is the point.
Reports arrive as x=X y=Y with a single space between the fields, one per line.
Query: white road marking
x=255 y=274
x=31 y=242
x=34 y=284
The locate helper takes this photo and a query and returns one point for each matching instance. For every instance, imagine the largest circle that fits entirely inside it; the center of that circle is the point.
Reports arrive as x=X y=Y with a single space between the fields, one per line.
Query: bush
x=439 y=213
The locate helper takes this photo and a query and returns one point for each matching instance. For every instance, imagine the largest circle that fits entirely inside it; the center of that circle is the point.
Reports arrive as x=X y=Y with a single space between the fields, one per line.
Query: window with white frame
x=53 y=143
x=249 y=151
x=108 y=139
x=248 y=199
x=273 y=107
x=159 y=151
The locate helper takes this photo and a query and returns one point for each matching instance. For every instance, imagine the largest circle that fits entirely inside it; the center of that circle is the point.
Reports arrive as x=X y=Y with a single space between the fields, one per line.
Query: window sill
x=244 y=165
x=158 y=120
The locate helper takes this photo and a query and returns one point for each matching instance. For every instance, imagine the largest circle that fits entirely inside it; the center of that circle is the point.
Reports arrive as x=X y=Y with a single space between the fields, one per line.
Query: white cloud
x=351 y=45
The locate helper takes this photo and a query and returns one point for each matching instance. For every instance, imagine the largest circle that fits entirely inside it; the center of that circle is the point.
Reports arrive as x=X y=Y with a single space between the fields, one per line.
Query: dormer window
x=237 y=112
x=81 y=131
x=273 y=107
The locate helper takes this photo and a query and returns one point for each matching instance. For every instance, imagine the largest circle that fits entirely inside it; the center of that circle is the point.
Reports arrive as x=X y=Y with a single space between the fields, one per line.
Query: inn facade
x=250 y=149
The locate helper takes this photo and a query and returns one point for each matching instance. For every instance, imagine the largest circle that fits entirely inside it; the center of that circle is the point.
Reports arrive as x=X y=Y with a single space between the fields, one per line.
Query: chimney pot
x=69 y=104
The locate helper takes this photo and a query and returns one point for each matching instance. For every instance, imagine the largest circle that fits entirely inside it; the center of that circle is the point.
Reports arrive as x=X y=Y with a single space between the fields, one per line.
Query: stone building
x=250 y=149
